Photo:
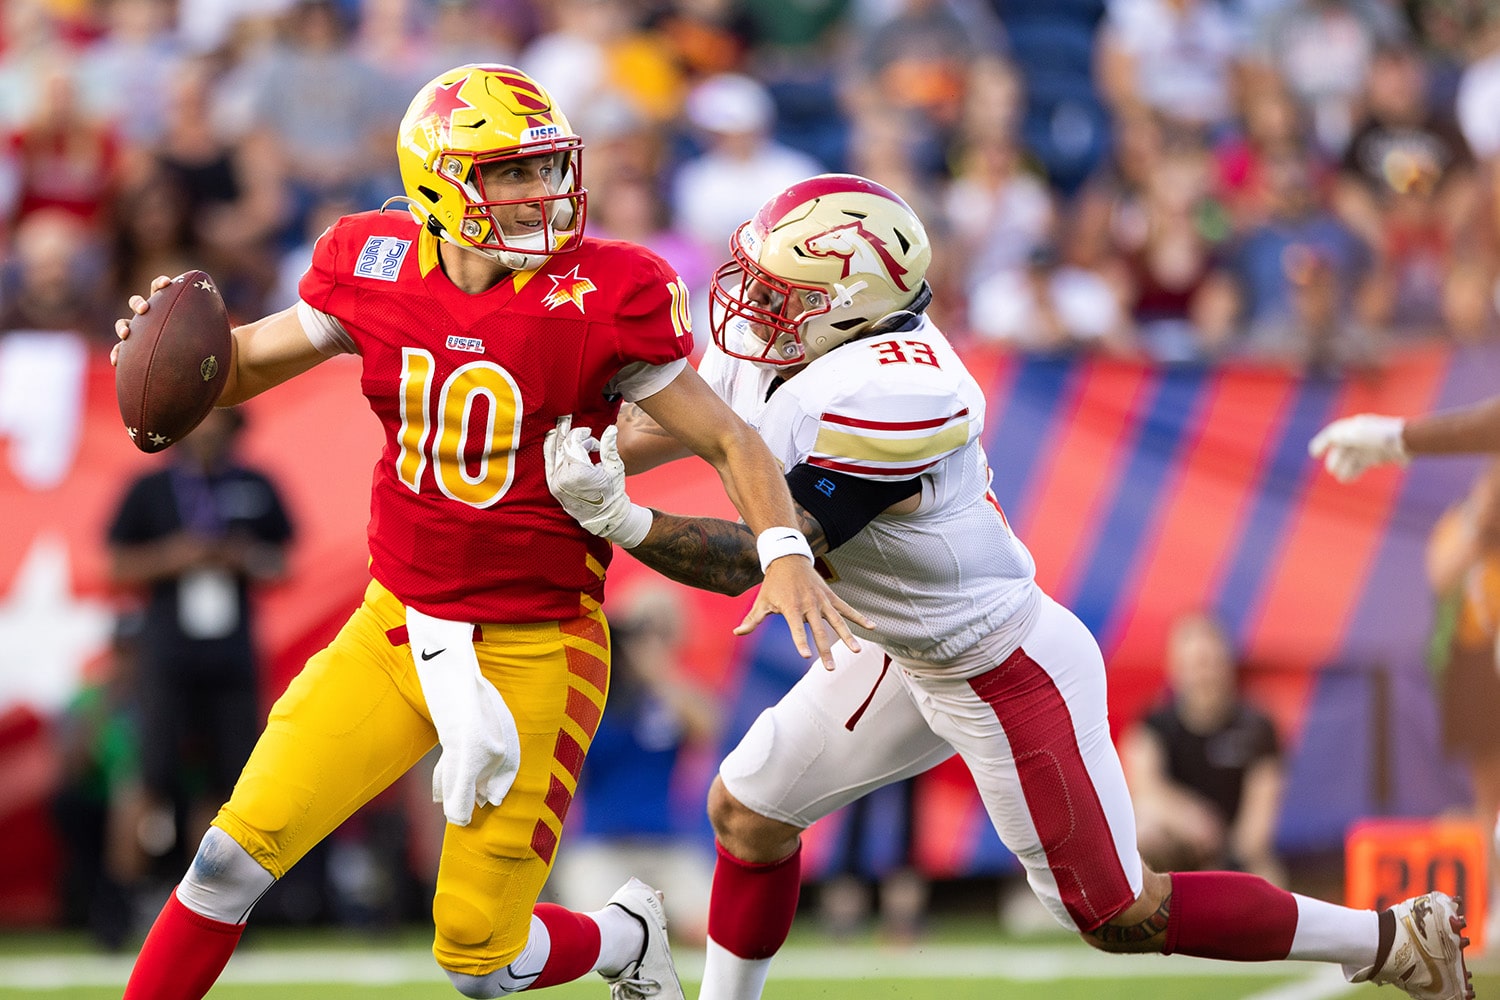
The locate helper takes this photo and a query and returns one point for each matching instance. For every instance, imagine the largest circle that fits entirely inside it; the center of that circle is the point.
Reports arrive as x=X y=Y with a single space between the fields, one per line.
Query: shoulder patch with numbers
x=381 y=258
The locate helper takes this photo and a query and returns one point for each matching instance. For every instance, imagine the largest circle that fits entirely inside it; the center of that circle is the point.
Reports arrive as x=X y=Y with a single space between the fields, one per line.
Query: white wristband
x=773 y=543
x=632 y=531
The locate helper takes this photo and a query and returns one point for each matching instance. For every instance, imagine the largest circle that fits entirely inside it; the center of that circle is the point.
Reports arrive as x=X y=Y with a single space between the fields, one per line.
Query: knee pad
x=224 y=881
x=512 y=978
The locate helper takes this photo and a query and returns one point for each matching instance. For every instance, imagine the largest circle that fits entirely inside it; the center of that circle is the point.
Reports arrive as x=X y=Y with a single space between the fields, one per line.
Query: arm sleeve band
x=843 y=504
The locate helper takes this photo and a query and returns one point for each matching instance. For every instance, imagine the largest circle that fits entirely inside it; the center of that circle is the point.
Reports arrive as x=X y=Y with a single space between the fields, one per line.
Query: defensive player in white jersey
x=823 y=346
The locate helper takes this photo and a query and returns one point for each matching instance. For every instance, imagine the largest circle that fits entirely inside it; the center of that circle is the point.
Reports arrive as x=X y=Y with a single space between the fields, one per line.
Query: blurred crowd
x=1307 y=182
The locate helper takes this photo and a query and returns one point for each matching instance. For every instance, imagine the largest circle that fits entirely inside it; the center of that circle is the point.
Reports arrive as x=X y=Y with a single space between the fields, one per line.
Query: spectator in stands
x=63 y=157
x=1407 y=185
x=198 y=536
x=597 y=50
x=1272 y=123
x=151 y=232
x=1204 y=768
x=917 y=61
x=231 y=192
x=1178 y=58
x=1301 y=270
x=741 y=165
x=123 y=76
x=1463 y=569
x=1322 y=50
x=55 y=276
x=320 y=116
x=631 y=814
x=1170 y=268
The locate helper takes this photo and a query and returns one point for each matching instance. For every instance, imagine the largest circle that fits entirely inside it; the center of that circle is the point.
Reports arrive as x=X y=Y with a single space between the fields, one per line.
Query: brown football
x=173 y=365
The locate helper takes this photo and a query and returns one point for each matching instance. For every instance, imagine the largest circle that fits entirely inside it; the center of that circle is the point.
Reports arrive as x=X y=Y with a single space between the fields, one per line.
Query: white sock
x=726 y=976
x=1330 y=933
x=621 y=939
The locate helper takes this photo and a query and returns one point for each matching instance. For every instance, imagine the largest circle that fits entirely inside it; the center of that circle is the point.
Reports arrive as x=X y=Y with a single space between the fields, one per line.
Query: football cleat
x=652 y=974
x=1427 y=955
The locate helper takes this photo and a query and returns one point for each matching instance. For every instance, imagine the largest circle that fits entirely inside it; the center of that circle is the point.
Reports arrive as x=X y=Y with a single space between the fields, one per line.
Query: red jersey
x=462 y=525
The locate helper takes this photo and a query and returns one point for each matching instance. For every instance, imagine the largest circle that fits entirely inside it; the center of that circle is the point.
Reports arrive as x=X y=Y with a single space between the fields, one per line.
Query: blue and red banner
x=1141 y=491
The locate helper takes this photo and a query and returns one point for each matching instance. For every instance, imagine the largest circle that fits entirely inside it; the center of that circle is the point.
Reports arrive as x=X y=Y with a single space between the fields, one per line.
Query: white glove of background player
x=1353 y=444
x=593 y=492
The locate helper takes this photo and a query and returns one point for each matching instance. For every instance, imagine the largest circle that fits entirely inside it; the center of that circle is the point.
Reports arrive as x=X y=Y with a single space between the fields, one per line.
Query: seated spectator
x=1322 y=50
x=321 y=116
x=917 y=59
x=62 y=156
x=54 y=278
x=1407 y=185
x=1171 y=272
x=1301 y=271
x=1272 y=124
x=1205 y=767
x=629 y=817
x=1177 y=58
x=741 y=165
x=1049 y=306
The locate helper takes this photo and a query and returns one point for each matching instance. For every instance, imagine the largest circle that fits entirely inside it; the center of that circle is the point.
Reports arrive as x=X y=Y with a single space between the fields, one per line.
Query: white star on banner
x=47 y=632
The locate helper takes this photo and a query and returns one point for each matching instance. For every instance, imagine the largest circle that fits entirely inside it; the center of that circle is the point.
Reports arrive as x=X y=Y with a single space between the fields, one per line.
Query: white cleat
x=652 y=974
x=1427 y=955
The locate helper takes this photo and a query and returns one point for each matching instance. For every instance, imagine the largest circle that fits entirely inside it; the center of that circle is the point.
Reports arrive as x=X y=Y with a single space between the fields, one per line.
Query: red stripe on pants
x=1060 y=796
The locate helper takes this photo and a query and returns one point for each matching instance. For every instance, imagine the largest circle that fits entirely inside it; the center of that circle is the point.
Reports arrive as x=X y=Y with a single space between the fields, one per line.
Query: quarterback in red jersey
x=481 y=315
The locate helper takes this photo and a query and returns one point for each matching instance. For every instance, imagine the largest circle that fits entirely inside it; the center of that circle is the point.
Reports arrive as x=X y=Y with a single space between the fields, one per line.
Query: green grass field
x=964 y=961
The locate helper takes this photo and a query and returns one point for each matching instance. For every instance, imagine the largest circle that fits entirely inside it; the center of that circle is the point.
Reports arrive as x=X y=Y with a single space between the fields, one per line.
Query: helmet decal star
x=568 y=287
x=444 y=101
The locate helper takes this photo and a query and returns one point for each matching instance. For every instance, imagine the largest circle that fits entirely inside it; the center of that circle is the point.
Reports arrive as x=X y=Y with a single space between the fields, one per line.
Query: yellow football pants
x=355 y=720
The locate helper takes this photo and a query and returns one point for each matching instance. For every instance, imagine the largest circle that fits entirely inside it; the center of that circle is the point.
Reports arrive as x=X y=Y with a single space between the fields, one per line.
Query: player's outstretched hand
x=794 y=590
x=138 y=306
x=1351 y=445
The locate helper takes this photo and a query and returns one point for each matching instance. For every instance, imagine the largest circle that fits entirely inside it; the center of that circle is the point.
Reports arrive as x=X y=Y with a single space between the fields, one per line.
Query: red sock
x=1230 y=915
x=183 y=955
x=751 y=906
x=575 y=945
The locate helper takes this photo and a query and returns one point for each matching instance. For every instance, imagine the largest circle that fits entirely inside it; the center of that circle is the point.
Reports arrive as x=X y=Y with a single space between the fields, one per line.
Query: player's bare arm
x=711 y=553
x=1470 y=429
x=644 y=444
x=266 y=353
x=691 y=411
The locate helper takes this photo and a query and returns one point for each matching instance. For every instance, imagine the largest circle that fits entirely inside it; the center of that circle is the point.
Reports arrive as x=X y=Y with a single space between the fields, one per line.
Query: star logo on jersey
x=444 y=101
x=566 y=288
x=860 y=250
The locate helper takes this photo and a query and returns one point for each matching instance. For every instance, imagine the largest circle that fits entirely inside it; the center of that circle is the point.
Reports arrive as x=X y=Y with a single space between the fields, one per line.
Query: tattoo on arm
x=640 y=421
x=711 y=553
x=1136 y=935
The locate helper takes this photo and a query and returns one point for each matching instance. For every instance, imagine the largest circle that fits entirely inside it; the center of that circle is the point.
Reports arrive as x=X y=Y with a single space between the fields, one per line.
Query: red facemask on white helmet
x=821 y=263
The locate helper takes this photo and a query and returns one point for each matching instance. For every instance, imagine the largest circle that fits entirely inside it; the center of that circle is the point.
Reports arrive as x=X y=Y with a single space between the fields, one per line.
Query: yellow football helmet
x=474 y=116
x=826 y=260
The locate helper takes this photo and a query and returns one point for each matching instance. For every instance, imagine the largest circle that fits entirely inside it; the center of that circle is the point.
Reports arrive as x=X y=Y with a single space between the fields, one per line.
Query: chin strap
x=902 y=319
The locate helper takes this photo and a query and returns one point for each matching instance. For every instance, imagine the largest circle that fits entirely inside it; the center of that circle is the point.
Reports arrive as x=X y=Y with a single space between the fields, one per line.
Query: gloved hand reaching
x=593 y=492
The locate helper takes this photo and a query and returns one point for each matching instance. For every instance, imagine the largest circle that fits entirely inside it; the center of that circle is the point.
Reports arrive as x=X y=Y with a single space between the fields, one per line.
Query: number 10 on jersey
x=471 y=464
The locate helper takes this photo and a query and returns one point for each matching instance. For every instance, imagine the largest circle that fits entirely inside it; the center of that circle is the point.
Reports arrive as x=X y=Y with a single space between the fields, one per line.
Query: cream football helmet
x=826 y=260
x=474 y=116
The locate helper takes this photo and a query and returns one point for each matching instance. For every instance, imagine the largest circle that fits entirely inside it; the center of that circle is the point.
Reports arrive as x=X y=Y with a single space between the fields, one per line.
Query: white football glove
x=1351 y=445
x=593 y=492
